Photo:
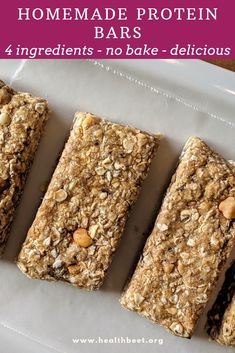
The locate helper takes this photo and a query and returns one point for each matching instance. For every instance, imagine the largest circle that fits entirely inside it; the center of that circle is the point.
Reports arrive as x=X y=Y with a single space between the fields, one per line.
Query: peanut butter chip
x=227 y=207
x=82 y=238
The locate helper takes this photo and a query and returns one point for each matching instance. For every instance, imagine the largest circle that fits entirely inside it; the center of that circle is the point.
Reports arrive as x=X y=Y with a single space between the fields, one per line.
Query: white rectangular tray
x=179 y=98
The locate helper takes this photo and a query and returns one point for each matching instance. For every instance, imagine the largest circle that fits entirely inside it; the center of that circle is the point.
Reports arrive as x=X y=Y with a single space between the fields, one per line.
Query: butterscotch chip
x=227 y=207
x=82 y=238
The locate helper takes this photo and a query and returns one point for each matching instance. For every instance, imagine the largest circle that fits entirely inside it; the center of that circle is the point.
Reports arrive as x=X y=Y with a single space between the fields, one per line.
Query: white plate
x=177 y=98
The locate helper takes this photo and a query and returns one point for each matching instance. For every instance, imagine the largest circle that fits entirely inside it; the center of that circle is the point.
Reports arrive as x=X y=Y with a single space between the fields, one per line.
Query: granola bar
x=81 y=219
x=192 y=237
x=221 y=318
x=22 y=118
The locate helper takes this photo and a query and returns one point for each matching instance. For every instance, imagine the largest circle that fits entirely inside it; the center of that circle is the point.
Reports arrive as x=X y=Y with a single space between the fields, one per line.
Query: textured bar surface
x=22 y=118
x=190 y=241
x=221 y=318
x=82 y=217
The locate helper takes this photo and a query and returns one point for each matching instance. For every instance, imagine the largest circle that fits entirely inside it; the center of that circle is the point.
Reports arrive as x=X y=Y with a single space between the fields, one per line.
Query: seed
x=100 y=171
x=58 y=263
x=92 y=230
x=82 y=238
x=60 y=195
x=5 y=119
x=185 y=216
x=109 y=176
x=103 y=195
x=107 y=161
x=47 y=241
